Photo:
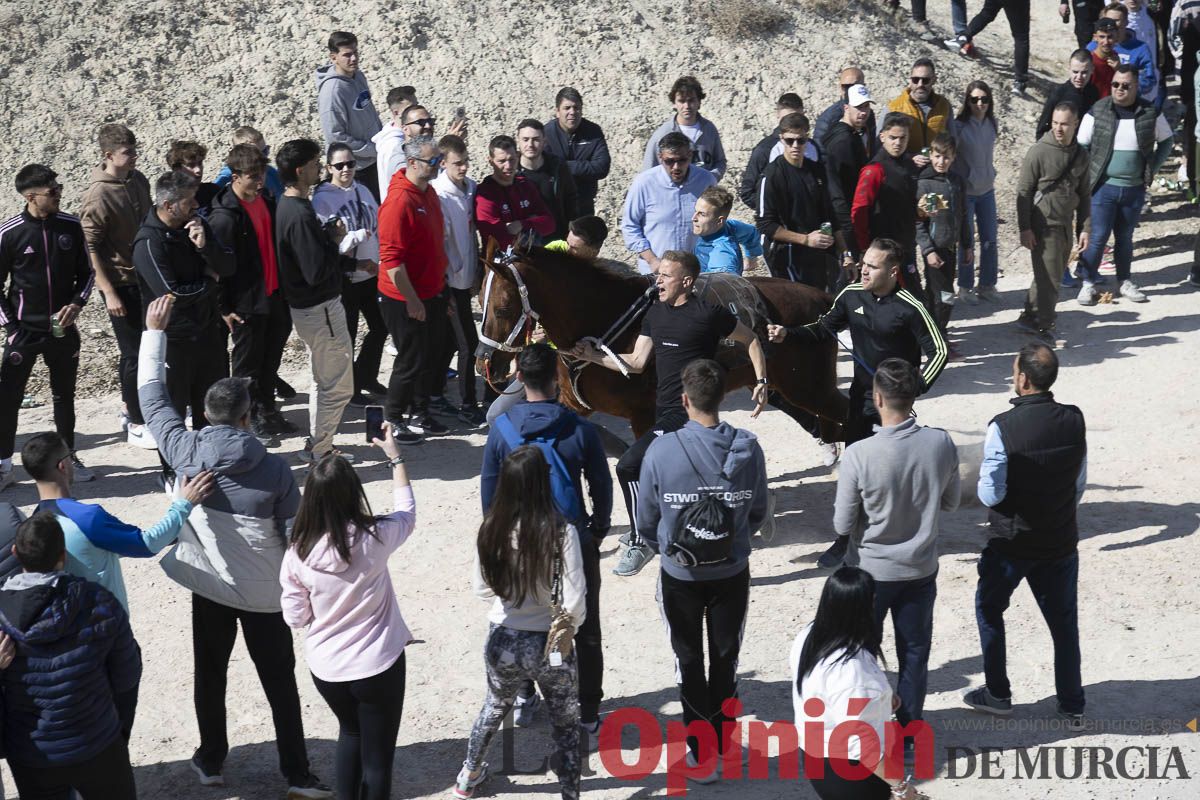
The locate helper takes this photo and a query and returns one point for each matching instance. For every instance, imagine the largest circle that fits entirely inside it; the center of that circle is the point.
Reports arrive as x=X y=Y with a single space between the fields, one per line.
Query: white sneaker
x=1087 y=294
x=829 y=452
x=703 y=778
x=123 y=420
x=391 y=349
x=1132 y=292
x=968 y=296
x=82 y=473
x=7 y=478
x=140 y=436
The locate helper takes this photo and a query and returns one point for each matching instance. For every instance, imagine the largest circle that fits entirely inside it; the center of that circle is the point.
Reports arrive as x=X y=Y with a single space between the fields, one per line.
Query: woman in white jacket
x=348 y=200
x=835 y=667
x=527 y=556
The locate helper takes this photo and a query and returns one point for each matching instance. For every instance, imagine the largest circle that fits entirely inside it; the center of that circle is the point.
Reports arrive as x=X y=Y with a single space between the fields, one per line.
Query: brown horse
x=573 y=298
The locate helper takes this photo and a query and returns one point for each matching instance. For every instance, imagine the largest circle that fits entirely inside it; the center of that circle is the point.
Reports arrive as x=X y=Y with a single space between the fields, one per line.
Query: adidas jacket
x=43 y=267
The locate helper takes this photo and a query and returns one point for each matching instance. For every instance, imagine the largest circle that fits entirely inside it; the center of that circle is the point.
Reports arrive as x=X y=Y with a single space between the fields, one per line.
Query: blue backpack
x=561 y=485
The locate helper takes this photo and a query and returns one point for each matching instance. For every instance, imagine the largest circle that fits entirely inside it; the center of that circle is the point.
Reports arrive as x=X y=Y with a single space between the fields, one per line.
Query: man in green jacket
x=1052 y=190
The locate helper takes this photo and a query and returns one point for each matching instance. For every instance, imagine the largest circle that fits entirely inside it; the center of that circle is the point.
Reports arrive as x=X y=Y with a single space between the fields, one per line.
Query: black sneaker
x=832 y=558
x=359 y=400
x=426 y=426
x=258 y=427
x=982 y=700
x=1194 y=281
x=470 y=414
x=440 y=405
x=308 y=788
x=405 y=435
x=276 y=423
x=1074 y=719
x=209 y=776
x=1027 y=323
x=283 y=389
x=376 y=388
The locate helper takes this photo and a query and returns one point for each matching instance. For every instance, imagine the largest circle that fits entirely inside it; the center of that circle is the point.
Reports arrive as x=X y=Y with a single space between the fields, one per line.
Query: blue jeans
x=1115 y=210
x=1055 y=587
x=911 y=604
x=958 y=16
x=981 y=213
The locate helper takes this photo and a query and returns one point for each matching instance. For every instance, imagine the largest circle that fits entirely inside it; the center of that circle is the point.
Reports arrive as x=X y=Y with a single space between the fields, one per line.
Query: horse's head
x=507 y=321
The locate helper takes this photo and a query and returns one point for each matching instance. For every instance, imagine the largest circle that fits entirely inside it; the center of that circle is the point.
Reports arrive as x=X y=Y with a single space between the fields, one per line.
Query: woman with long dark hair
x=836 y=659
x=974 y=128
x=336 y=585
x=528 y=559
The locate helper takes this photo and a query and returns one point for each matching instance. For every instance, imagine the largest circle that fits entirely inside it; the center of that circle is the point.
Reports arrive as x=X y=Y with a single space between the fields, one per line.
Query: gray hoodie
x=891 y=491
x=669 y=484
x=231 y=548
x=347 y=113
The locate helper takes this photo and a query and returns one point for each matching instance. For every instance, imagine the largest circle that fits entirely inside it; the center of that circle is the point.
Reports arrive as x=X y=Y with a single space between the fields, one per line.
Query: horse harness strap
x=618 y=328
x=528 y=315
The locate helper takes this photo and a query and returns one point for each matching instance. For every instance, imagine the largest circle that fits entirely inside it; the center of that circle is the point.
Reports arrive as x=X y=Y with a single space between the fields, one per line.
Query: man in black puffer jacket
x=71 y=691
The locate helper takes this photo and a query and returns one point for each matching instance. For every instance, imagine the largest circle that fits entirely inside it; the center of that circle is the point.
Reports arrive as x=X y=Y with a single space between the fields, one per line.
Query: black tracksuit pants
x=418 y=342
x=363 y=298
x=193 y=365
x=258 y=350
x=61 y=356
x=629 y=465
x=128 y=332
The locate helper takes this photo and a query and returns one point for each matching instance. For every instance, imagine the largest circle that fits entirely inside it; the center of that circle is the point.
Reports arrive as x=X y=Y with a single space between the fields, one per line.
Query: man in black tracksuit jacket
x=44 y=273
x=583 y=149
x=885 y=321
x=176 y=253
x=844 y=156
x=1078 y=90
x=258 y=324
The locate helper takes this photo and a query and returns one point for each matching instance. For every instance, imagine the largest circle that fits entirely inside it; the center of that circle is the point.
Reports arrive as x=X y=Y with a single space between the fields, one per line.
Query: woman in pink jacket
x=336 y=585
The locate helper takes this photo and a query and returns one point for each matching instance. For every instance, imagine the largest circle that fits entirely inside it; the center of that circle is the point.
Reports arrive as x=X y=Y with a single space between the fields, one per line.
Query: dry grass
x=742 y=19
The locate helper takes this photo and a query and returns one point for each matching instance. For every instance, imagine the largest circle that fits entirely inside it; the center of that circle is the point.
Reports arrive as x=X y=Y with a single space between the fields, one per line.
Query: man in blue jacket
x=95 y=539
x=578 y=445
x=73 y=635
x=705 y=456
x=723 y=244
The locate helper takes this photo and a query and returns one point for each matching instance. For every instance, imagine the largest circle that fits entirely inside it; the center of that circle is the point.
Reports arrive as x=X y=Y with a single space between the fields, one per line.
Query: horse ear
x=489 y=255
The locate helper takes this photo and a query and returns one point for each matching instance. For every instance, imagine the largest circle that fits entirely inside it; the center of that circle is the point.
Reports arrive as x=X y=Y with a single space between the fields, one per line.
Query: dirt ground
x=1127 y=366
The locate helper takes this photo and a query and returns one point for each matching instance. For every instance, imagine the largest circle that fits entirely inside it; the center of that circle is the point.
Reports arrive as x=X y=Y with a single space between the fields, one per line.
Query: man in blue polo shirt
x=723 y=244
x=96 y=540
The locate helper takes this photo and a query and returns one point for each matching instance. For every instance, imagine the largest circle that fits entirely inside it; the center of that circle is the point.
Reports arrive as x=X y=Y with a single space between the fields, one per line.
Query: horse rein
x=528 y=317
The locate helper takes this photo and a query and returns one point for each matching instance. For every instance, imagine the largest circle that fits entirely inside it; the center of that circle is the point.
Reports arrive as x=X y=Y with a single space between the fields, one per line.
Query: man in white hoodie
x=456 y=192
x=344 y=103
x=389 y=142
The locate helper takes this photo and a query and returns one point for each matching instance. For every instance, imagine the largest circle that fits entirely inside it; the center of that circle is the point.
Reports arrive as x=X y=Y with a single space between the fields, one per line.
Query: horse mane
x=607 y=270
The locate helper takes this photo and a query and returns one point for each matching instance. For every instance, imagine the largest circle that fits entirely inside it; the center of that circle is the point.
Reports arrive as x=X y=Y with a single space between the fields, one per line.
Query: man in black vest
x=1033 y=473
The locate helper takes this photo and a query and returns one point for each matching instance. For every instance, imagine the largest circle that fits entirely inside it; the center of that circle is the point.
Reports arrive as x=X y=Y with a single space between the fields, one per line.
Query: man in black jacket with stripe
x=45 y=279
x=176 y=253
x=1033 y=473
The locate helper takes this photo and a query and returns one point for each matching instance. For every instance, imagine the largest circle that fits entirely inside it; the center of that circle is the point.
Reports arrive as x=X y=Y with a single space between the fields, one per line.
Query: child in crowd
x=942 y=202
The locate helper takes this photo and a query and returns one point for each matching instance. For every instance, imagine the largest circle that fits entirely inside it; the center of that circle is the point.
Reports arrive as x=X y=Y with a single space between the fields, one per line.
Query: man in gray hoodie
x=344 y=103
x=228 y=556
x=891 y=491
x=705 y=456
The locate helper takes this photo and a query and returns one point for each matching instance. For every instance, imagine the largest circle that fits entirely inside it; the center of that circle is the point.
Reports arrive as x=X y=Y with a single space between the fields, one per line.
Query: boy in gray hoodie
x=345 y=107
x=705 y=456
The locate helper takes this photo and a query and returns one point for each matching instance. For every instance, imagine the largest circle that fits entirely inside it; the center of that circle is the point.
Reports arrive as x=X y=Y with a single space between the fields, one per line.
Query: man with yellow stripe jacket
x=885 y=321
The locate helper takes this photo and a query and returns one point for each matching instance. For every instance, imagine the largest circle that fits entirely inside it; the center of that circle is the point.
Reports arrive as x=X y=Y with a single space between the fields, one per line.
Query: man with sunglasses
x=1077 y=90
x=1128 y=142
x=45 y=279
x=769 y=149
x=661 y=202
x=412 y=288
x=929 y=110
x=345 y=107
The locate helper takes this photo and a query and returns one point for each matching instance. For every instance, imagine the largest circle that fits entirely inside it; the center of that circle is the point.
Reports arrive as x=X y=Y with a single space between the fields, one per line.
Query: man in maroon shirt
x=412 y=288
x=508 y=207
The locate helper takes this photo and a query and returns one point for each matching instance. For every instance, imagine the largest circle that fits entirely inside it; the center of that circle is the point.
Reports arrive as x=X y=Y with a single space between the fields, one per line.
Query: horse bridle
x=525 y=322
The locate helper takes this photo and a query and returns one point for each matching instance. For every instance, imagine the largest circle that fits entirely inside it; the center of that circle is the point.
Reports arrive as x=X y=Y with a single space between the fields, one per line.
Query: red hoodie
x=411 y=233
x=496 y=206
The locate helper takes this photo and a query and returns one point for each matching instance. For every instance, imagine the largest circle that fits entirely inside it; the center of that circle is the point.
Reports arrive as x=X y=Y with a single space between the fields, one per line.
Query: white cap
x=857 y=95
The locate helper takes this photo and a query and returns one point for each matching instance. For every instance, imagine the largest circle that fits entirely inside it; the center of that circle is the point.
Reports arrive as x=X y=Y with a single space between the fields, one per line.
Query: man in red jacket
x=412 y=283
x=507 y=205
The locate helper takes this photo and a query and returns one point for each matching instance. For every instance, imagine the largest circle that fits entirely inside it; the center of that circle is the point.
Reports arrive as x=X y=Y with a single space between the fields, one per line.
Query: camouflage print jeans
x=511 y=657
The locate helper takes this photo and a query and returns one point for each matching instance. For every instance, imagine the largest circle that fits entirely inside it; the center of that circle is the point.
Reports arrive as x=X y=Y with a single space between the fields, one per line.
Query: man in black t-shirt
x=676 y=331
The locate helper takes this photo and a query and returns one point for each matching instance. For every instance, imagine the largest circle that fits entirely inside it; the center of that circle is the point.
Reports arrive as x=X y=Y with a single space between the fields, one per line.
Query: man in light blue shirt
x=723 y=244
x=96 y=540
x=661 y=201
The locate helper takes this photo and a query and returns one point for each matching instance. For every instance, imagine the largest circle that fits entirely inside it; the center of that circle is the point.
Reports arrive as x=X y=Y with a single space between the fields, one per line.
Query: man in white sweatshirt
x=389 y=142
x=456 y=192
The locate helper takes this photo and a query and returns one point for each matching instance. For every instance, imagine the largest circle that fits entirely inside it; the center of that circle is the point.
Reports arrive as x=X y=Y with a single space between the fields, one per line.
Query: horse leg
x=805 y=375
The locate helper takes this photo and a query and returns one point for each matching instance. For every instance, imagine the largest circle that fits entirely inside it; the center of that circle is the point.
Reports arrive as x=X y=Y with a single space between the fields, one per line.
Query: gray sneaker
x=633 y=559
x=1087 y=294
x=982 y=700
x=524 y=710
x=1132 y=292
x=988 y=293
x=7 y=478
x=1075 y=721
x=967 y=296
x=82 y=473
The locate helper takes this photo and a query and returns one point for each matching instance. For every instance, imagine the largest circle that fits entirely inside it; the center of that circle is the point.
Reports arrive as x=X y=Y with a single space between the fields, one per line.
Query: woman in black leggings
x=336 y=585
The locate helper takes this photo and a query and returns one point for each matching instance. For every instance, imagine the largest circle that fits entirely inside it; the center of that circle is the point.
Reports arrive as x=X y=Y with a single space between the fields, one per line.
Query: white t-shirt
x=836 y=683
x=1126 y=138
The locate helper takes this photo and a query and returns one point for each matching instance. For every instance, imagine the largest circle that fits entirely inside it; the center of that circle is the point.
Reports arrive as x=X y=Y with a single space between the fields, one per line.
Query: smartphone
x=374 y=423
x=460 y=113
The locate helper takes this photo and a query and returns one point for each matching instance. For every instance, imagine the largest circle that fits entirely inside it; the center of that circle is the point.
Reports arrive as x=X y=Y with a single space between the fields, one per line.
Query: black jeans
x=193 y=365
x=629 y=465
x=128 y=332
x=258 y=350
x=831 y=786
x=1017 y=12
x=1086 y=13
x=911 y=606
x=939 y=280
x=1055 y=587
x=269 y=642
x=464 y=339
x=689 y=608
x=62 y=360
x=417 y=343
x=363 y=297
x=368 y=176
x=861 y=414
x=107 y=776
x=368 y=712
